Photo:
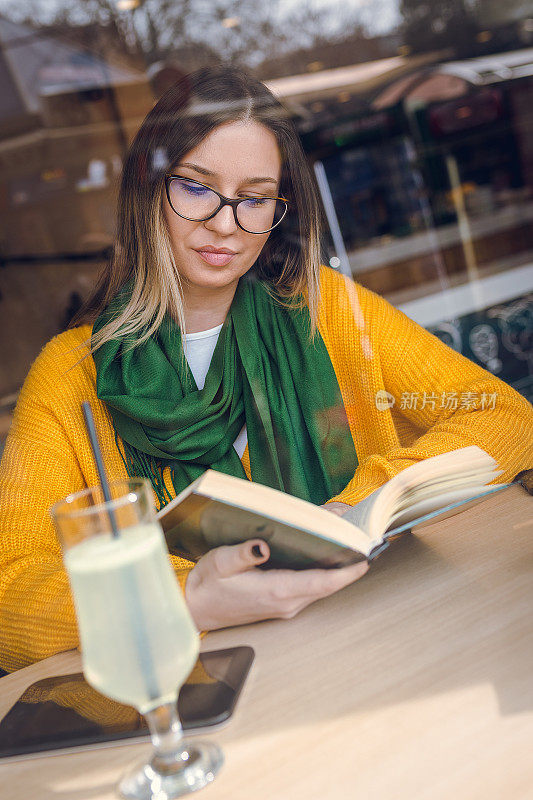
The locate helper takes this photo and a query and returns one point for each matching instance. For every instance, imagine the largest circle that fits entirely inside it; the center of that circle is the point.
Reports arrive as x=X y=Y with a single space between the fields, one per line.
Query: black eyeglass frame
x=224 y=201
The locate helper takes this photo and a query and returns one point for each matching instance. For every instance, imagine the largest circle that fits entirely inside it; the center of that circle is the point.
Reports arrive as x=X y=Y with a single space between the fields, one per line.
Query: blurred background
x=416 y=116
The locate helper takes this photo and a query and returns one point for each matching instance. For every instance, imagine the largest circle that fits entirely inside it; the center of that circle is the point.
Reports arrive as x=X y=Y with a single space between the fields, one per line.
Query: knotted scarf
x=265 y=372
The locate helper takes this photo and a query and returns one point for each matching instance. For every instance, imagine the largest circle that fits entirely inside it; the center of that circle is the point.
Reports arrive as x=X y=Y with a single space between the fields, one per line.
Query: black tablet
x=63 y=713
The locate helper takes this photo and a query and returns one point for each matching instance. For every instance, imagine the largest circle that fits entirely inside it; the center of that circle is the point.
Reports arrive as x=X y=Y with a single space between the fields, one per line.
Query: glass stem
x=170 y=754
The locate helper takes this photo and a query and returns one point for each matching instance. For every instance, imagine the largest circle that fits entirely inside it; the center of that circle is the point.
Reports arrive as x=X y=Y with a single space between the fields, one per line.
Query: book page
x=432 y=504
x=441 y=488
x=456 y=466
x=359 y=514
x=442 y=513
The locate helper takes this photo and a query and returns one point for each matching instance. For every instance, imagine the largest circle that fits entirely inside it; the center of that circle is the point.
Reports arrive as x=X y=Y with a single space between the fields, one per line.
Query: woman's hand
x=224 y=588
x=336 y=508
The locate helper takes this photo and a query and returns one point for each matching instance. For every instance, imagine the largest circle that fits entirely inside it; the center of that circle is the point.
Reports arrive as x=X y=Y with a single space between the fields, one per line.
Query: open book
x=219 y=509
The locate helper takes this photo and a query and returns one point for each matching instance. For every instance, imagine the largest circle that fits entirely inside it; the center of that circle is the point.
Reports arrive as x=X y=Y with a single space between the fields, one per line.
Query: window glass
x=415 y=118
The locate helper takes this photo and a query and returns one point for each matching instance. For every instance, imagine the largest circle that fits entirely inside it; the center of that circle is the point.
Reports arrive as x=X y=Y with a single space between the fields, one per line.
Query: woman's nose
x=223 y=222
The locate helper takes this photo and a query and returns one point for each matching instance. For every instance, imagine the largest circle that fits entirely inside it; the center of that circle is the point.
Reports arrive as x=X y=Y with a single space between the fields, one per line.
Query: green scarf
x=265 y=372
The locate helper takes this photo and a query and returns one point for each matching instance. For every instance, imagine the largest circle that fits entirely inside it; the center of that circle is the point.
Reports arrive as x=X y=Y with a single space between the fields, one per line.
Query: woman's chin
x=211 y=278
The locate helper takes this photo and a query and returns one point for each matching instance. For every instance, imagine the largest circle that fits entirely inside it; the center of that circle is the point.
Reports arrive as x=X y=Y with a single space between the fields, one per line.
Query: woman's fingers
x=224 y=588
x=336 y=508
x=232 y=560
x=317 y=583
x=337 y=579
x=296 y=590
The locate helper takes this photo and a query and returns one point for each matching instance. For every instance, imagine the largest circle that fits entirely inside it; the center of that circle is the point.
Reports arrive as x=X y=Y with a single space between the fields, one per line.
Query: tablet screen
x=66 y=712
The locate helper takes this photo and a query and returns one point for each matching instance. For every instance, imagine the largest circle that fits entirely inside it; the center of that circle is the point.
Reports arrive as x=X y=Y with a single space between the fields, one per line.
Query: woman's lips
x=216 y=259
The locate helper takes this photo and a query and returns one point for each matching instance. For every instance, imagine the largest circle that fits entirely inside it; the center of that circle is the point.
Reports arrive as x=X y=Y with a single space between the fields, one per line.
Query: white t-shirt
x=199 y=348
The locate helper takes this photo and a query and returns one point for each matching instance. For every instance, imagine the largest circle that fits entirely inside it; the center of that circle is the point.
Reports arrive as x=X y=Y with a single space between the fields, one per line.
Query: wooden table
x=415 y=683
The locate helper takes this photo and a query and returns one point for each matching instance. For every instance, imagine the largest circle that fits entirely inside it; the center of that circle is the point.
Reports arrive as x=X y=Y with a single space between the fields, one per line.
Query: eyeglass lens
x=196 y=202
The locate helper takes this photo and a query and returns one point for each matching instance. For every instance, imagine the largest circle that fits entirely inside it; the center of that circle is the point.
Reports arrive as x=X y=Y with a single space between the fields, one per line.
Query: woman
x=216 y=339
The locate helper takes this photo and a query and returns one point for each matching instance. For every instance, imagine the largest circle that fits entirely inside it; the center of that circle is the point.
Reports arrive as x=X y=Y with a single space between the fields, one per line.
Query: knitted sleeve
x=40 y=465
x=414 y=382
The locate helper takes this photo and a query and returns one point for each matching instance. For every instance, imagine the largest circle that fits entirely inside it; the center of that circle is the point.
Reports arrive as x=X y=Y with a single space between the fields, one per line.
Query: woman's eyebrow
x=208 y=173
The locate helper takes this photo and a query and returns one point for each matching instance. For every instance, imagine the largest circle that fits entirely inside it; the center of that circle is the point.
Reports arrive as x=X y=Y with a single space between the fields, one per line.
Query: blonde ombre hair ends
x=289 y=262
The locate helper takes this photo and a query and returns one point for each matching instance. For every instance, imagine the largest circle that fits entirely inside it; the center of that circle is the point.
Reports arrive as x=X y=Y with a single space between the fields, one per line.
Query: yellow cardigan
x=437 y=401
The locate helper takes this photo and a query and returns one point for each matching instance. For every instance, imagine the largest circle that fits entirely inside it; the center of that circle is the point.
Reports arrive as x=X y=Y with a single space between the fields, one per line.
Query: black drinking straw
x=139 y=628
x=97 y=453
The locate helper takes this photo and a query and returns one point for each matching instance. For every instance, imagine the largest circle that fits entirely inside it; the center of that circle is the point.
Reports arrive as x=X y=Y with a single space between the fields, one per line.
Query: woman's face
x=238 y=159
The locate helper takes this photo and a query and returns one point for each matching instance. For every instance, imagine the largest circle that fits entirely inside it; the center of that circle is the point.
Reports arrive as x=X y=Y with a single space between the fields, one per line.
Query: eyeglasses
x=196 y=202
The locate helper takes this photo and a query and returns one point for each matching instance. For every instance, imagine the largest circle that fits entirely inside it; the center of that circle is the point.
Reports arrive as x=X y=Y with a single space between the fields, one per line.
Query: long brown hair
x=290 y=259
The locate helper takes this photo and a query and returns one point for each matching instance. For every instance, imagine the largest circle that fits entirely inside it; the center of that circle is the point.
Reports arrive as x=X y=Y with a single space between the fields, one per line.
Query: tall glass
x=138 y=640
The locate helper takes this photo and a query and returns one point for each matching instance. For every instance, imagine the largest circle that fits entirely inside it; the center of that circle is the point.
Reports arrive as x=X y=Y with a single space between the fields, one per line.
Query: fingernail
x=256 y=550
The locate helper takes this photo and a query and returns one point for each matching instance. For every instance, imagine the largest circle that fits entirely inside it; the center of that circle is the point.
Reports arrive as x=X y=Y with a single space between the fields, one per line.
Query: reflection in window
x=426 y=148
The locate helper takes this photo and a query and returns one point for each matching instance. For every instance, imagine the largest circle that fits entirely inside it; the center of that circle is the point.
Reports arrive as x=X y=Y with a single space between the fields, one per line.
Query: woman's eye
x=195 y=189
x=256 y=202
